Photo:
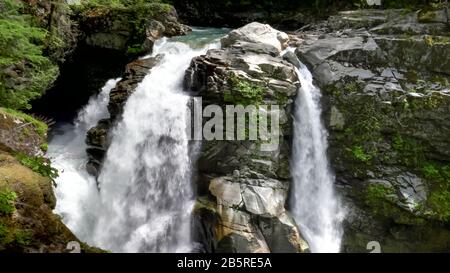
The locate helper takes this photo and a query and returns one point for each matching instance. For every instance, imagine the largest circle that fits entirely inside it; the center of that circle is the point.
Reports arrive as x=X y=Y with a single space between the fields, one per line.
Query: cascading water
x=146 y=197
x=76 y=192
x=315 y=206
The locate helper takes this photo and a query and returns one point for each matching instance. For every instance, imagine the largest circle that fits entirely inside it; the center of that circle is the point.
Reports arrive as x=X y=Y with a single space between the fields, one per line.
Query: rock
x=259 y=34
x=378 y=78
x=154 y=30
x=28 y=224
x=21 y=133
x=337 y=119
x=243 y=208
x=130 y=29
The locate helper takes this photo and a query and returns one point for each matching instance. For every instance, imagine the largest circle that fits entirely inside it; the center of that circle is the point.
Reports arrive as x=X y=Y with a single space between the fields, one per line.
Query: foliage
x=44 y=147
x=439 y=198
x=25 y=73
x=39 y=164
x=243 y=92
x=23 y=237
x=7 y=199
x=360 y=155
x=39 y=126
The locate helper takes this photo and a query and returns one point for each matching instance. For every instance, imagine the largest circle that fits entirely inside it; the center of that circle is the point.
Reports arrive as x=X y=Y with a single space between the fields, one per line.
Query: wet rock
x=244 y=206
x=385 y=102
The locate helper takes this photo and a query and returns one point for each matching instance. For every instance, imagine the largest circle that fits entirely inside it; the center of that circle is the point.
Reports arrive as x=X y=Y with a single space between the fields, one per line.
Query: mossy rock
x=32 y=226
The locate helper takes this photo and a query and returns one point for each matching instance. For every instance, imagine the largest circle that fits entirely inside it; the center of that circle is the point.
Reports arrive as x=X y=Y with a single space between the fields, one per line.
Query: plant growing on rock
x=7 y=199
x=40 y=165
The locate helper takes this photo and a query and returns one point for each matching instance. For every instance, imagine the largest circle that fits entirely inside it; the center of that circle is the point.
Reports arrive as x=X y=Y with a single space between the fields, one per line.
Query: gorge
x=362 y=105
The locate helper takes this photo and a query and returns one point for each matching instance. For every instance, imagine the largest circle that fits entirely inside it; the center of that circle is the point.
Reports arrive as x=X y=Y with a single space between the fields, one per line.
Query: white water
x=146 y=197
x=76 y=192
x=315 y=205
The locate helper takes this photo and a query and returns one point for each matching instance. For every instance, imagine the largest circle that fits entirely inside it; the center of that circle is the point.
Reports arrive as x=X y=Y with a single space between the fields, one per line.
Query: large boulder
x=243 y=188
x=259 y=34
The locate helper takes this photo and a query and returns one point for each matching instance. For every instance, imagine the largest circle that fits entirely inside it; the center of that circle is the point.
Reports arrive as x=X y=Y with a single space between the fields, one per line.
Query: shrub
x=40 y=165
x=7 y=199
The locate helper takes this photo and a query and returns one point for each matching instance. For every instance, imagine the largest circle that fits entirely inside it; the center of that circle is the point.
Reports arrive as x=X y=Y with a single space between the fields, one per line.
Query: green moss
x=44 y=147
x=135 y=50
x=39 y=164
x=379 y=191
x=439 y=197
x=23 y=237
x=40 y=127
x=243 y=92
x=7 y=199
x=360 y=155
x=381 y=199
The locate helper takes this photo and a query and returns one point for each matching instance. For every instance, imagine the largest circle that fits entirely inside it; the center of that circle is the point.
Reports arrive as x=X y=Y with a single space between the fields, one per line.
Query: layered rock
x=243 y=190
x=98 y=137
x=385 y=77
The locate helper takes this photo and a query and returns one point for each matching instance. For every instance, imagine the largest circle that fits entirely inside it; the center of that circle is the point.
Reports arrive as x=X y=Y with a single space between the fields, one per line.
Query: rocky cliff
x=385 y=80
x=27 y=223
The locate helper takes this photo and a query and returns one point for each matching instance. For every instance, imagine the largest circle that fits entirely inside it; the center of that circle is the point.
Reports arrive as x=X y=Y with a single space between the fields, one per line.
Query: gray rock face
x=385 y=82
x=243 y=189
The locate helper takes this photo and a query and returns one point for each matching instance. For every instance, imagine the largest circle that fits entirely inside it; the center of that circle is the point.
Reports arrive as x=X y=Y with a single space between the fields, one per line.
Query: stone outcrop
x=19 y=132
x=385 y=80
x=131 y=29
x=27 y=200
x=243 y=190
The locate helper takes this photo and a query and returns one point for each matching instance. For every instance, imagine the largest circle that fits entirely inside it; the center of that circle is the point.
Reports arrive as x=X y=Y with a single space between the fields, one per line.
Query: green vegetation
x=39 y=126
x=25 y=71
x=439 y=198
x=381 y=198
x=9 y=235
x=44 y=147
x=39 y=164
x=243 y=92
x=360 y=155
x=7 y=199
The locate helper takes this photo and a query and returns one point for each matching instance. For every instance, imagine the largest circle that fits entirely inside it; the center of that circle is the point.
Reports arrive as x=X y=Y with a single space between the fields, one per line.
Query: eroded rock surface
x=243 y=189
x=385 y=77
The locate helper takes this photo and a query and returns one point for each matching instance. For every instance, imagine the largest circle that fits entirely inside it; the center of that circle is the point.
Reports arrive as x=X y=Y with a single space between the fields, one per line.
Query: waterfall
x=315 y=205
x=77 y=190
x=146 y=197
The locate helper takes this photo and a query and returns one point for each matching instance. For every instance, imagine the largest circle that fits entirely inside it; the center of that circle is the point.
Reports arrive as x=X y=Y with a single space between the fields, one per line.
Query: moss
x=23 y=237
x=243 y=92
x=135 y=50
x=44 y=147
x=39 y=164
x=7 y=199
x=39 y=126
x=360 y=155
x=439 y=197
x=381 y=199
